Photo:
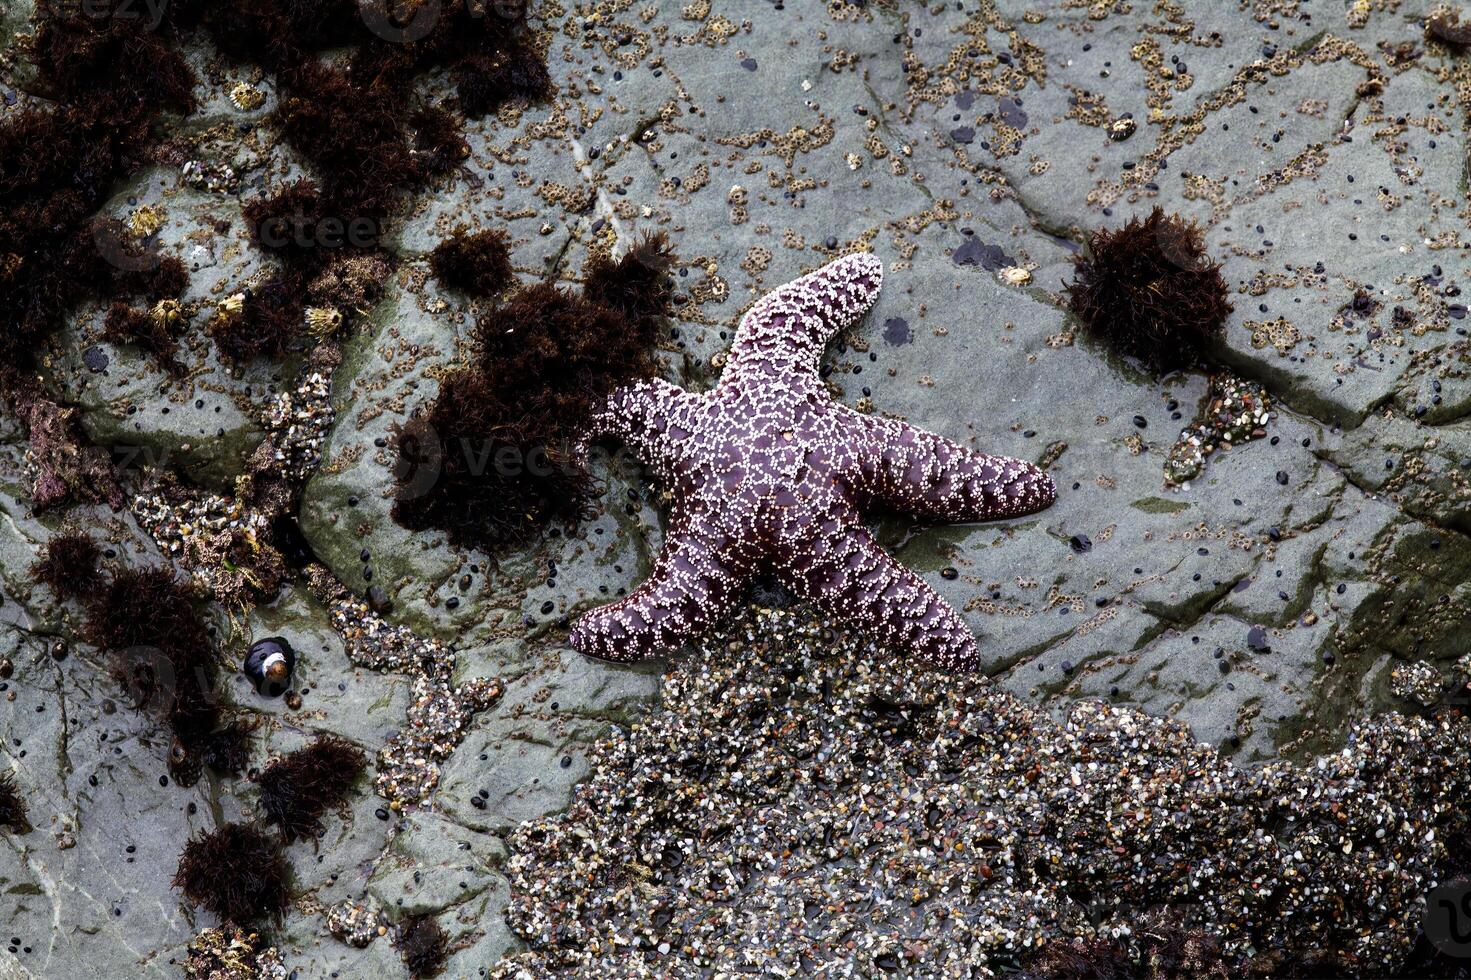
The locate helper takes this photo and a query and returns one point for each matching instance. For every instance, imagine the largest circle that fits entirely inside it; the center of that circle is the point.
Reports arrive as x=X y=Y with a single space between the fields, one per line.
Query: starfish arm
x=934 y=479
x=690 y=589
x=635 y=415
x=787 y=329
x=848 y=576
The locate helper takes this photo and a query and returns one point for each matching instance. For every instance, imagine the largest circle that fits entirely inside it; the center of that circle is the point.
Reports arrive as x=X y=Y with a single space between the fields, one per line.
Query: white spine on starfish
x=934 y=479
x=637 y=416
x=786 y=330
x=768 y=475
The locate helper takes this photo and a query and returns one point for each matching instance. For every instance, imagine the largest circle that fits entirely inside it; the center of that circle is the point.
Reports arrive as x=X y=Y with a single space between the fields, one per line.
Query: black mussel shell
x=270 y=664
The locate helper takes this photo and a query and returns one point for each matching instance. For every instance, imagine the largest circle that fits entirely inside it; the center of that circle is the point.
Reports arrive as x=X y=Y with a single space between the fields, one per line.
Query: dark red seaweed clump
x=155 y=330
x=296 y=790
x=438 y=139
x=488 y=462
x=1444 y=24
x=110 y=72
x=280 y=33
x=637 y=284
x=12 y=807
x=162 y=654
x=478 y=264
x=238 y=873
x=108 y=58
x=69 y=565
x=355 y=136
x=1149 y=291
x=422 y=943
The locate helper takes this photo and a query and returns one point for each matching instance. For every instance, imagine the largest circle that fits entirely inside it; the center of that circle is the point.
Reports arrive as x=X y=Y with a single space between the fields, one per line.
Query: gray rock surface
x=1264 y=604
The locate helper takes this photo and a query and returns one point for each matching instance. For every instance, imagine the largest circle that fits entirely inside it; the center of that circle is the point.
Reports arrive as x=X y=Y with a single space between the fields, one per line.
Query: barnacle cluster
x=225 y=545
x=231 y=953
x=1159 y=947
x=408 y=763
x=355 y=923
x=1234 y=412
x=1149 y=290
x=795 y=782
x=298 y=422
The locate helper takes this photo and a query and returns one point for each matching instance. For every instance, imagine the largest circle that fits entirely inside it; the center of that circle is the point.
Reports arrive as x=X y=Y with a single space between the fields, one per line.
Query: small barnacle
x=237 y=872
x=146 y=220
x=1015 y=275
x=270 y=664
x=229 y=309
x=1150 y=291
x=167 y=314
x=246 y=96
x=323 y=321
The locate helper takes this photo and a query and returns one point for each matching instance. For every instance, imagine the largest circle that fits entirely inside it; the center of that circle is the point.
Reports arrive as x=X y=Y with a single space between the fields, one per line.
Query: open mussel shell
x=269 y=665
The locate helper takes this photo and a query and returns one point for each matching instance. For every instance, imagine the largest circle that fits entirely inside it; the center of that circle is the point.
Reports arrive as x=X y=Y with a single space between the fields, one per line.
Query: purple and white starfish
x=769 y=475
